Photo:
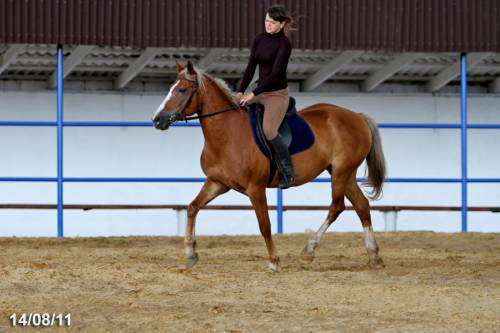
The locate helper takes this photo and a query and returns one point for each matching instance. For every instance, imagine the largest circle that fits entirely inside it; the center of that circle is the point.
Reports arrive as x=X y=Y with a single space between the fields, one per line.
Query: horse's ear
x=178 y=66
x=190 y=68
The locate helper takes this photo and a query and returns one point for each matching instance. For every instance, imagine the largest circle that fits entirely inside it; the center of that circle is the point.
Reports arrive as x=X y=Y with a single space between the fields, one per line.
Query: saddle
x=294 y=131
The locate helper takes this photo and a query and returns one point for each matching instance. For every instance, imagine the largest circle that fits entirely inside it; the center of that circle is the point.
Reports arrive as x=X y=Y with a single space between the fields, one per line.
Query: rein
x=234 y=107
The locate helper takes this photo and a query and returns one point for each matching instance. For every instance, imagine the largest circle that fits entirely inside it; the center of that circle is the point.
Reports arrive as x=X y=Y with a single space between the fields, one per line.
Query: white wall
x=145 y=152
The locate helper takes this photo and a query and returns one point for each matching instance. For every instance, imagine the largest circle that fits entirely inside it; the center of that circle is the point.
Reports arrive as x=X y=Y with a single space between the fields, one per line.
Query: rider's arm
x=250 y=71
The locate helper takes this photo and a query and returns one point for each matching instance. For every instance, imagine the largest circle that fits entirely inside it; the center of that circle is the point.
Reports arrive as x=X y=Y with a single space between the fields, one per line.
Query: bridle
x=182 y=116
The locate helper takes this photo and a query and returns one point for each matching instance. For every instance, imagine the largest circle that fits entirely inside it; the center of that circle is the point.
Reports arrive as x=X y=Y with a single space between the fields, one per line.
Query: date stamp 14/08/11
x=40 y=319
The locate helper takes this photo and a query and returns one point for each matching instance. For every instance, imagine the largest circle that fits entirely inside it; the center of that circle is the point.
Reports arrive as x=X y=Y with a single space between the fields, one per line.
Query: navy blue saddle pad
x=294 y=129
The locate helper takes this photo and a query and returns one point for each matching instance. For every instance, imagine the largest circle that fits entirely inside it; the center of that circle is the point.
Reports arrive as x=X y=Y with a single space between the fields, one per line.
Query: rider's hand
x=247 y=98
x=239 y=95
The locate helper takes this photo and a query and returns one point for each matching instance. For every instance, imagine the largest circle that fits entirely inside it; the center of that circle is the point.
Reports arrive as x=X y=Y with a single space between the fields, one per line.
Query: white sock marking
x=370 y=242
x=314 y=242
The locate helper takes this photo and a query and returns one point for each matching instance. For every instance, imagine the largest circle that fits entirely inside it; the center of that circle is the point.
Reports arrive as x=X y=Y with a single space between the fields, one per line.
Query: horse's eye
x=182 y=90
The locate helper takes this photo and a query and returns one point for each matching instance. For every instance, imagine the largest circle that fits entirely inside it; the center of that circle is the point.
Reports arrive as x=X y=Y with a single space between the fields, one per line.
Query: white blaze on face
x=162 y=105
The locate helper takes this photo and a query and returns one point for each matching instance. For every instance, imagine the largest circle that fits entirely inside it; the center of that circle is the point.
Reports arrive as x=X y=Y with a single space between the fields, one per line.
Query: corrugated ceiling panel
x=386 y=25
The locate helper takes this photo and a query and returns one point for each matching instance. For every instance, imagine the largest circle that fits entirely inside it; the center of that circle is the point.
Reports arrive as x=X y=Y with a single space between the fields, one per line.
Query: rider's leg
x=276 y=104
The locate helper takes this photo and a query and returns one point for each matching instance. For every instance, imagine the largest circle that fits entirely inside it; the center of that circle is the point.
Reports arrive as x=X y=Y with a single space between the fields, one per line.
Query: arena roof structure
x=359 y=42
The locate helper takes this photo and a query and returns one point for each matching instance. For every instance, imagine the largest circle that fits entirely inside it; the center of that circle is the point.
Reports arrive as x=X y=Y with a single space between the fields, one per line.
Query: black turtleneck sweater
x=271 y=52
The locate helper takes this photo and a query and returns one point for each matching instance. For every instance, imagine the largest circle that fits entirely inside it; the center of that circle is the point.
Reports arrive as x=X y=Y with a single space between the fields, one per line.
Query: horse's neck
x=222 y=128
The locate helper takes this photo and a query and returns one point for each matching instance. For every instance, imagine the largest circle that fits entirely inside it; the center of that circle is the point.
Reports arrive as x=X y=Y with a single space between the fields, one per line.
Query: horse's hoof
x=274 y=264
x=376 y=263
x=191 y=261
x=274 y=267
x=306 y=256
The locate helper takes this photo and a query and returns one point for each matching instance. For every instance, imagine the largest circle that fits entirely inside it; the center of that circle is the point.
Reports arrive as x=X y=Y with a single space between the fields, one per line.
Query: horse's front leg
x=259 y=202
x=210 y=190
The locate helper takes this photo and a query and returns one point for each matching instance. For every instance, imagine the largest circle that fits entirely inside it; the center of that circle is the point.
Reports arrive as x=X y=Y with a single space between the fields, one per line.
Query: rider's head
x=278 y=18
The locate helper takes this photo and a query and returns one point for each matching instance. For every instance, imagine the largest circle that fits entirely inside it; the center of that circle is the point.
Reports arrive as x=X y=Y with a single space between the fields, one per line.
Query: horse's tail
x=375 y=161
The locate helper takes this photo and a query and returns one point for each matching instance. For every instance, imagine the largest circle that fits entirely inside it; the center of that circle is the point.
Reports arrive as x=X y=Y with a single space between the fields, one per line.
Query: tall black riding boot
x=283 y=161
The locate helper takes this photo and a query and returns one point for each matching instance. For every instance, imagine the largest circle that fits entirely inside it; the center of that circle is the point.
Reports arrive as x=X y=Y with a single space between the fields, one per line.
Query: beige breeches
x=275 y=104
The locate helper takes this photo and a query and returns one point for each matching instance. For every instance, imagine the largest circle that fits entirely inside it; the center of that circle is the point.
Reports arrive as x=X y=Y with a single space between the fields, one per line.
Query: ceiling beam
x=254 y=79
x=252 y=82
x=389 y=70
x=452 y=71
x=495 y=85
x=325 y=72
x=136 y=67
x=10 y=55
x=74 y=59
x=212 y=55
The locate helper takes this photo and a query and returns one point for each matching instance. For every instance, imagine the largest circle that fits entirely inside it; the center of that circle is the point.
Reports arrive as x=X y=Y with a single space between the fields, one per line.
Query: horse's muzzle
x=163 y=122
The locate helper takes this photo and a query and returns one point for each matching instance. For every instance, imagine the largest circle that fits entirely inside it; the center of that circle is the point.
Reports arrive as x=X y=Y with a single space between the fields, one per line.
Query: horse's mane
x=221 y=84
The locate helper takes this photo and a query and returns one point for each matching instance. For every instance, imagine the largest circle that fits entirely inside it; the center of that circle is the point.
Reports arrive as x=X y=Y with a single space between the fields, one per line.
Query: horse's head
x=182 y=100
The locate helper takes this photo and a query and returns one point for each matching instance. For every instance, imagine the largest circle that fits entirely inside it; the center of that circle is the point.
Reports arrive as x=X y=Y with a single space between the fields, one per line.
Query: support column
x=279 y=210
x=463 y=113
x=60 y=226
x=391 y=220
x=181 y=221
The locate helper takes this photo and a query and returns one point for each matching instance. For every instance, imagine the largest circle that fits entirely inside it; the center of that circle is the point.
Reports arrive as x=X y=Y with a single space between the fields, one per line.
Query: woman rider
x=271 y=51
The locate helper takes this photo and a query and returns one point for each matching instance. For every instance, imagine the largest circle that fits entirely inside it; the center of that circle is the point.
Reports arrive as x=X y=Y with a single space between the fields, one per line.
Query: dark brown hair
x=280 y=13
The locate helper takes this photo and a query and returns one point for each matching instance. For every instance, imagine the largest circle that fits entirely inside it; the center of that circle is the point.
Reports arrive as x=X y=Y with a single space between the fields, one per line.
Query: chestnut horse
x=232 y=160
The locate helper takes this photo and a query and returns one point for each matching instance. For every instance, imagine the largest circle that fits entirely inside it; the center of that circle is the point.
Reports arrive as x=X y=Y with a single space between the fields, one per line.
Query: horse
x=231 y=159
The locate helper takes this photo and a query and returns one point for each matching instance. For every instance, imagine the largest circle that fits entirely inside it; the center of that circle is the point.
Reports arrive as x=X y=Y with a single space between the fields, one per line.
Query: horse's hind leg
x=336 y=208
x=362 y=208
x=208 y=192
x=259 y=203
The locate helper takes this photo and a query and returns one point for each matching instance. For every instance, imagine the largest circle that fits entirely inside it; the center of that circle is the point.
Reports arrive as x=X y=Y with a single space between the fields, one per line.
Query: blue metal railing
x=60 y=179
x=201 y=180
x=195 y=124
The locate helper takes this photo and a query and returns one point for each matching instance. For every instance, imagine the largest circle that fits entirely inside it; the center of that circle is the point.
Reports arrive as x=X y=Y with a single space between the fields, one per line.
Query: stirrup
x=285 y=182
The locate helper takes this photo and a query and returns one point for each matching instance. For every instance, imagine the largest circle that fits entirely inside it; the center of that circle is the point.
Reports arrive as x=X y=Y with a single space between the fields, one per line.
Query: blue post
x=59 y=141
x=279 y=210
x=463 y=113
